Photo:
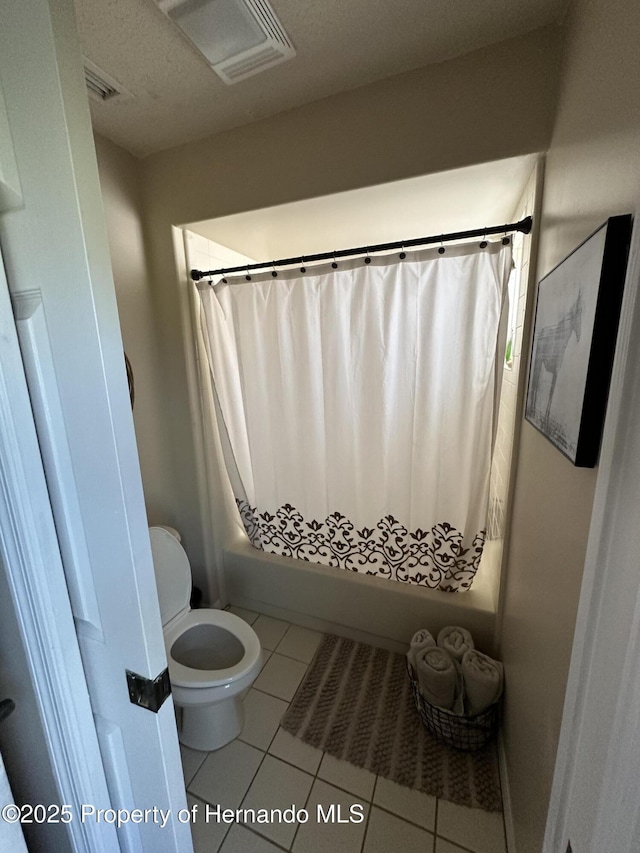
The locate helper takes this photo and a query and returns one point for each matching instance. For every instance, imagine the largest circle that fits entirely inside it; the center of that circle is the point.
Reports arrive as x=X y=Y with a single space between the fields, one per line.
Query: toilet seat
x=184 y=676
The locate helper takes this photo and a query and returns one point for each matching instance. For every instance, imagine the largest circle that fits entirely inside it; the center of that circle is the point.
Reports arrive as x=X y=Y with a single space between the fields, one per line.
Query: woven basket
x=465 y=733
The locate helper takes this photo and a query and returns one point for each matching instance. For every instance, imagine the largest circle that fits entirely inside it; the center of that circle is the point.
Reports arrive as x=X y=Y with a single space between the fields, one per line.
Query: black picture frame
x=574 y=338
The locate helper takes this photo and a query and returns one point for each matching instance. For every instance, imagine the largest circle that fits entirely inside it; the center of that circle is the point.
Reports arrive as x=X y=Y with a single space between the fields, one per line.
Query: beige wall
x=468 y=110
x=120 y=184
x=493 y=103
x=592 y=172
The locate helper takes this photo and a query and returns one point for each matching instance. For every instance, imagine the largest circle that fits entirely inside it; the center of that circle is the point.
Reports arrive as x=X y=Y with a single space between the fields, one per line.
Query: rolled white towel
x=483 y=681
x=456 y=641
x=421 y=640
x=437 y=676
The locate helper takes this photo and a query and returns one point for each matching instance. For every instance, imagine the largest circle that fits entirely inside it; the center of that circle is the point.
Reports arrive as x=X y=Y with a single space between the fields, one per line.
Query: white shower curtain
x=357 y=408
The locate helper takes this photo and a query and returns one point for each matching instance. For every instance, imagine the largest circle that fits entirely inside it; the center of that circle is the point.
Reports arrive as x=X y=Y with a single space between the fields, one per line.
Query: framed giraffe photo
x=574 y=339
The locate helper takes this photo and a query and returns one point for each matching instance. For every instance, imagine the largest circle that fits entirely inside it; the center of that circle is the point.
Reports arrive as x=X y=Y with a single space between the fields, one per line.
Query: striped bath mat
x=355 y=703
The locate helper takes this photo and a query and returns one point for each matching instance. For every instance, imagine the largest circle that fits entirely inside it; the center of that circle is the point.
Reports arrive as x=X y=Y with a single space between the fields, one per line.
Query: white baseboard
x=506 y=797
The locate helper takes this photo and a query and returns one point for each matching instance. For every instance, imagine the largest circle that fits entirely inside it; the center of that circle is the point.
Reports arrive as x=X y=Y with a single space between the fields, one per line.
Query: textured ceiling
x=341 y=45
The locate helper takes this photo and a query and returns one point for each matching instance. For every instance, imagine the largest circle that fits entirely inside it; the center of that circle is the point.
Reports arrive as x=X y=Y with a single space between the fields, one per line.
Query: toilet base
x=209 y=727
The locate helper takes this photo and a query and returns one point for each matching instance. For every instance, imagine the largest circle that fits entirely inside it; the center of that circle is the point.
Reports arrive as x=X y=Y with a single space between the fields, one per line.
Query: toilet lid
x=173 y=573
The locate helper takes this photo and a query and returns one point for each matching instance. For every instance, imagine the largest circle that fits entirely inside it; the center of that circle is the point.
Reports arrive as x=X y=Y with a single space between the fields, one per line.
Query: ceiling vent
x=100 y=86
x=238 y=38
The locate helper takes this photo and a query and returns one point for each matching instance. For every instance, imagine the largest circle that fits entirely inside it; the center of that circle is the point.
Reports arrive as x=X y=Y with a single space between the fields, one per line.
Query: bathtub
x=363 y=607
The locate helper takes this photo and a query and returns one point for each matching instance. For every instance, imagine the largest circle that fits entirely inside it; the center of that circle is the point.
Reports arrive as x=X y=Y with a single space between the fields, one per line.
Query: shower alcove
x=375 y=610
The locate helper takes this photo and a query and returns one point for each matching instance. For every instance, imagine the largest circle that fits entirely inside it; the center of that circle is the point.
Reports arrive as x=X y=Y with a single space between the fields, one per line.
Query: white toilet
x=213 y=655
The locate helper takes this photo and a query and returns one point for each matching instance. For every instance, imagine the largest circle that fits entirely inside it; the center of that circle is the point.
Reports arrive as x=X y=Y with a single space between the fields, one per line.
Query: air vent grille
x=278 y=47
x=263 y=11
x=245 y=67
x=238 y=38
x=98 y=87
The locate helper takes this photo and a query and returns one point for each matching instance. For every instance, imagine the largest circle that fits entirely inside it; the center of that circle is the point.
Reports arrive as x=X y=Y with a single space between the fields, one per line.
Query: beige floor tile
x=281 y=677
x=300 y=643
x=294 y=751
x=387 y=832
x=207 y=836
x=443 y=846
x=270 y=631
x=316 y=836
x=353 y=779
x=248 y=615
x=243 y=840
x=480 y=831
x=411 y=805
x=266 y=654
x=262 y=715
x=226 y=774
x=192 y=760
x=277 y=786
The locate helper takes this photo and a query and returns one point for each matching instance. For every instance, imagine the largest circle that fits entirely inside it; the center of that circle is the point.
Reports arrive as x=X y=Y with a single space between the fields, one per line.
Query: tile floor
x=267 y=768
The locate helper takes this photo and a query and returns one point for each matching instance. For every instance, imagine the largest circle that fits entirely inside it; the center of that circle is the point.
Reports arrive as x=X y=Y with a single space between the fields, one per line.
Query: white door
x=49 y=743
x=58 y=268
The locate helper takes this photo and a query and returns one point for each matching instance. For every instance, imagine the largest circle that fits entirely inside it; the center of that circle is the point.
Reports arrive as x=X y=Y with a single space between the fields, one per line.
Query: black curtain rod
x=524 y=226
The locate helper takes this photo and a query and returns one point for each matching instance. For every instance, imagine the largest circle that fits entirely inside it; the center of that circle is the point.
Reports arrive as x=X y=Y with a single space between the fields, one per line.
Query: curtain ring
x=334 y=265
x=367 y=260
x=506 y=240
x=224 y=281
x=247 y=276
x=441 y=248
x=273 y=271
x=403 y=254
x=483 y=243
x=303 y=268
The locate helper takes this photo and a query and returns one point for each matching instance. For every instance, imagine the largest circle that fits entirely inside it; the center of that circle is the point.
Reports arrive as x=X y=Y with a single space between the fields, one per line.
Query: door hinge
x=146 y=692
